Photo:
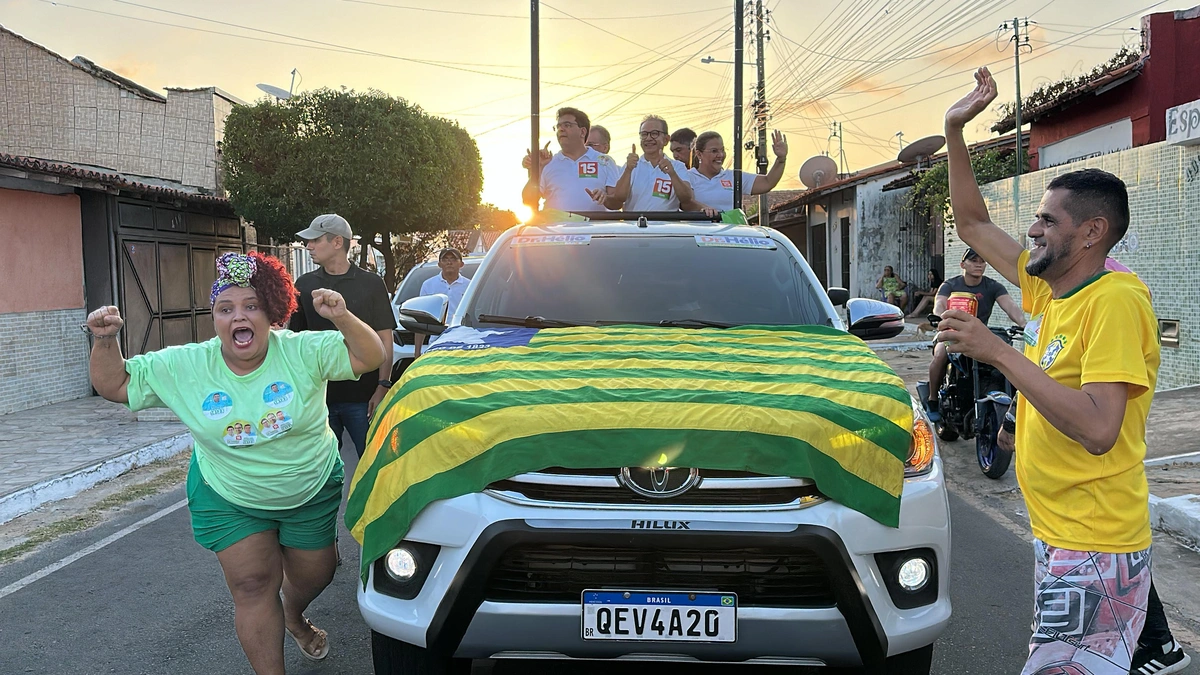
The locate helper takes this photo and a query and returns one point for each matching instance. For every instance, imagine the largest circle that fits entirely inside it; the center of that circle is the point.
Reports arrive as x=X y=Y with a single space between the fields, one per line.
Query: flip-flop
x=319 y=656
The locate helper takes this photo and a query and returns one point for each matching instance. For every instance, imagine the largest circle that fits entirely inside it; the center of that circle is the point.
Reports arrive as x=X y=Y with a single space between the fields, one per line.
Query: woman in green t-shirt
x=265 y=480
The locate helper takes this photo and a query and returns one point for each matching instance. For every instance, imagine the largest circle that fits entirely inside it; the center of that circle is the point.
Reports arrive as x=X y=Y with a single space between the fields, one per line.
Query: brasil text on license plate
x=659 y=617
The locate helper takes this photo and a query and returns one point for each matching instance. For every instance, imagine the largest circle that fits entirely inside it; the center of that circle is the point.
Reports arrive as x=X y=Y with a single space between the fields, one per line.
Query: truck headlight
x=923 y=448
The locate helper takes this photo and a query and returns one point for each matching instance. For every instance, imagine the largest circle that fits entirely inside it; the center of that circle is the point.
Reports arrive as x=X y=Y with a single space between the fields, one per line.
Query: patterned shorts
x=1090 y=611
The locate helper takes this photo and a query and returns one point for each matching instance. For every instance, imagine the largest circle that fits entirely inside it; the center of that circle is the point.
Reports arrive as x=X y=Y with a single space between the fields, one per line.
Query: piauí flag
x=485 y=405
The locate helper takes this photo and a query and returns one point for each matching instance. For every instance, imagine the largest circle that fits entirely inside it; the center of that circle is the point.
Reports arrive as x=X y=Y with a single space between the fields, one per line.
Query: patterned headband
x=233 y=269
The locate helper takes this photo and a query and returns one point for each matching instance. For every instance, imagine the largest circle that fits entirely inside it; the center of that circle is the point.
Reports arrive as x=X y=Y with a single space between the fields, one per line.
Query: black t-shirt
x=986 y=293
x=366 y=298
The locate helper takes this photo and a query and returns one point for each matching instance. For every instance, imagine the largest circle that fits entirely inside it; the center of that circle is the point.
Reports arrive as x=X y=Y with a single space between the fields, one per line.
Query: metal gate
x=920 y=247
x=166 y=263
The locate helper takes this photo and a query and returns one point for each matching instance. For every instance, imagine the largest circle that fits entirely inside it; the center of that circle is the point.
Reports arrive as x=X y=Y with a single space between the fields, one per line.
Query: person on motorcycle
x=988 y=293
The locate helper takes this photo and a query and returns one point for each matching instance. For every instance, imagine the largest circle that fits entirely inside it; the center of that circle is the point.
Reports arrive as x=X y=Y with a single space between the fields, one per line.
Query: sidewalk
x=1172 y=441
x=57 y=451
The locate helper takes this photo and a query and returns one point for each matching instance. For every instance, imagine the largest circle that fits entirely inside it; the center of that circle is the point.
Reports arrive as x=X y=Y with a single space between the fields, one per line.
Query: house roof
x=1095 y=86
x=892 y=167
x=105 y=180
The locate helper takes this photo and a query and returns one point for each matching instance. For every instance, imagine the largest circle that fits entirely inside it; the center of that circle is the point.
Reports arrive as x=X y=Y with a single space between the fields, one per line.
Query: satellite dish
x=921 y=149
x=277 y=92
x=818 y=170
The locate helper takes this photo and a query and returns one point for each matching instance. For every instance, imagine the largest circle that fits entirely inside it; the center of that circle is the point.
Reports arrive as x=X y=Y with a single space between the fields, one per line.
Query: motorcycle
x=973 y=400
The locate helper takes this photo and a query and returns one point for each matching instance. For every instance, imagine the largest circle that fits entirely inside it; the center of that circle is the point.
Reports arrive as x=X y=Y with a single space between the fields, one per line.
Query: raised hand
x=544 y=155
x=666 y=165
x=329 y=304
x=631 y=161
x=779 y=144
x=105 y=322
x=969 y=106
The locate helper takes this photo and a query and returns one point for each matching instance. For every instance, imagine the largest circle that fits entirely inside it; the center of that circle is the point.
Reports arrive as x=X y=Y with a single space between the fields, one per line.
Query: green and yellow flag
x=484 y=405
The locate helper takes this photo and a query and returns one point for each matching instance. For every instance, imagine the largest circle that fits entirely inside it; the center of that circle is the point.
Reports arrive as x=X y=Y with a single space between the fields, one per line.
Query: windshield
x=648 y=279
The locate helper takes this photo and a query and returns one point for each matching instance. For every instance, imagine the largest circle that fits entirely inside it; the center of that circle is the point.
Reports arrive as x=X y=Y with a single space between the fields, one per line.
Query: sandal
x=322 y=637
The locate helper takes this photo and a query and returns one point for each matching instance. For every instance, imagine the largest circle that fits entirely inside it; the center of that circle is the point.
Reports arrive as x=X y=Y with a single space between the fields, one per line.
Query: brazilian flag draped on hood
x=485 y=405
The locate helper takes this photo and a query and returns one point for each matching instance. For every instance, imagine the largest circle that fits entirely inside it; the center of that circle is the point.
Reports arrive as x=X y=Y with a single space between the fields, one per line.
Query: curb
x=1187 y=458
x=901 y=346
x=1178 y=516
x=27 y=499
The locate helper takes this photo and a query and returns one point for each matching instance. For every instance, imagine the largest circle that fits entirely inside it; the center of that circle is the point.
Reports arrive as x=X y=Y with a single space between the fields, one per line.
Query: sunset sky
x=878 y=67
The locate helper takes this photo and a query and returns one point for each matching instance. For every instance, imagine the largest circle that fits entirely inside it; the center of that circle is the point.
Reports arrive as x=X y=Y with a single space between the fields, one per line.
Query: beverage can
x=963 y=302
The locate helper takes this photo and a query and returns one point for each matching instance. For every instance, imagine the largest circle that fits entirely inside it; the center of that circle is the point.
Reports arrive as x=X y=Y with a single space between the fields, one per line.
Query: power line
x=544 y=18
x=315 y=44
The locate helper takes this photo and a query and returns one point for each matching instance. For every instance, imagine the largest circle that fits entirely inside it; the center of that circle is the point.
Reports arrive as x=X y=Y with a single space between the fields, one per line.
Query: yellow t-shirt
x=1103 y=331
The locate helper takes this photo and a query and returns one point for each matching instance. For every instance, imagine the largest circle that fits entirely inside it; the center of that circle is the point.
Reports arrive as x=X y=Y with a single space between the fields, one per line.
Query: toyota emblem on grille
x=662 y=482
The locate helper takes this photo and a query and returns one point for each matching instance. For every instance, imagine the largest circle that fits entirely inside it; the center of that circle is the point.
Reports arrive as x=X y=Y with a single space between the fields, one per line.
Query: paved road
x=154 y=602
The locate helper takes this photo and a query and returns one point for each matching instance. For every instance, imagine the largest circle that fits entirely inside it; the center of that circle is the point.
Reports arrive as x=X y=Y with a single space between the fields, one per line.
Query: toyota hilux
x=626 y=563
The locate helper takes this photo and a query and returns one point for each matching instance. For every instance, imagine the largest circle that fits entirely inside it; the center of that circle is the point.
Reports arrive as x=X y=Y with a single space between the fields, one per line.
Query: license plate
x=642 y=616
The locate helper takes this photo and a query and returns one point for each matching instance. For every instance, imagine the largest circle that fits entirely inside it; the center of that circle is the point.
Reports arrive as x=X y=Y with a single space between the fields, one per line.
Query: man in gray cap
x=351 y=403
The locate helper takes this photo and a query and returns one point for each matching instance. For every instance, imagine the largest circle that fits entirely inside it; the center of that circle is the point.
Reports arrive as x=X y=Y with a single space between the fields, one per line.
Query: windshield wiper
x=695 y=323
x=673 y=323
x=530 y=321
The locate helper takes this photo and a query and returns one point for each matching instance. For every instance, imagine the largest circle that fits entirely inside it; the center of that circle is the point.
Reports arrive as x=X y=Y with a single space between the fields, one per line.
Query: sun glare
x=524 y=213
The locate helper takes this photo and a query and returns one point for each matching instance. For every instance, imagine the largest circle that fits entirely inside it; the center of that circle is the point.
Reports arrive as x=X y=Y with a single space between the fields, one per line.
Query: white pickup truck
x=501 y=574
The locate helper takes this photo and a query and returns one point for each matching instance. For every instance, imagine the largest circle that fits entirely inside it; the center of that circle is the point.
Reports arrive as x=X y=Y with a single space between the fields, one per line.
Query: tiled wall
x=51 y=109
x=1162 y=247
x=44 y=360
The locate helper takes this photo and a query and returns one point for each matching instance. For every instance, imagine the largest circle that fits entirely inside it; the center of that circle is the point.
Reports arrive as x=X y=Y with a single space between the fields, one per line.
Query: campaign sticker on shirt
x=278 y=394
x=726 y=183
x=240 y=433
x=216 y=405
x=662 y=188
x=729 y=241
x=274 y=424
x=551 y=240
x=589 y=170
x=1032 y=329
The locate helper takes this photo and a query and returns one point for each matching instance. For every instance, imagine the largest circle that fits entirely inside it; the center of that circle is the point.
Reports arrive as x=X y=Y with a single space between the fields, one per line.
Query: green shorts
x=218 y=524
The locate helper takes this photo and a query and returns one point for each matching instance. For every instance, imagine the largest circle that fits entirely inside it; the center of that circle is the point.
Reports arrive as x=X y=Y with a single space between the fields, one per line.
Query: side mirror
x=839 y=296
x=873 y=319
x=425 y=314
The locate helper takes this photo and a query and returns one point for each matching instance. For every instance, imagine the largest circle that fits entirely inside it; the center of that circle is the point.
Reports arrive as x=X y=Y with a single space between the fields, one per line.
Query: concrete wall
x=1164 y=200
x=44 y=360
x=41 y=261
x=878 y=242
x=53 y=109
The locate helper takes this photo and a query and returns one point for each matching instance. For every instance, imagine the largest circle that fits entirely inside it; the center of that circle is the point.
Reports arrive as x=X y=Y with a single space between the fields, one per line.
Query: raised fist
x=105 y=322
x=329 y=304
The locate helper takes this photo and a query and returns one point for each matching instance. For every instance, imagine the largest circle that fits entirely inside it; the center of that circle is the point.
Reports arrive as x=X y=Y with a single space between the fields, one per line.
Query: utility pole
x=760 y=115
x=835 y=131
x=535 y=165
x=1019 y=40
x=739 y=14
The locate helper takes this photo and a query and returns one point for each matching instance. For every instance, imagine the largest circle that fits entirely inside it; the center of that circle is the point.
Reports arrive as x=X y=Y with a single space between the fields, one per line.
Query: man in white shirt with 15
x=654 y=182
x=569 y=176
x=713 y=184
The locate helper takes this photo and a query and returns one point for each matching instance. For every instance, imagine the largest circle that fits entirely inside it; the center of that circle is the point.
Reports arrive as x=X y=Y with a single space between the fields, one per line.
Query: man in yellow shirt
x=1086 y=381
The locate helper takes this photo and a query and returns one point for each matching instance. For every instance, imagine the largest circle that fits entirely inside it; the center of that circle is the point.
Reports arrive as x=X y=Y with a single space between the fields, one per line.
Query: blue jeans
x=350 y=417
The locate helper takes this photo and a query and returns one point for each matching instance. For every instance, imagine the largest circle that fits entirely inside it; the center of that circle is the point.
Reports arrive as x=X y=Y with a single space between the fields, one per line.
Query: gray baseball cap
x=329 y=223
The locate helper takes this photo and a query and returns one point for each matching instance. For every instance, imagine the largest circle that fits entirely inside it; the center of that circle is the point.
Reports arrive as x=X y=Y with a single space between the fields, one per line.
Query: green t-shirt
x=262 y=440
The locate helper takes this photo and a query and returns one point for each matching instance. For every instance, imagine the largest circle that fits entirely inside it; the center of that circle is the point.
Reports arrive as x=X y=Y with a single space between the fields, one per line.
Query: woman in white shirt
x=713 y=184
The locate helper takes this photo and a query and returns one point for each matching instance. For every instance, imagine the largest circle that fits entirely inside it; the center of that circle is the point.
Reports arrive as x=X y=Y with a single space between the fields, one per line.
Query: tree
x=381 y=162
x=931 y=192
x=490 y=218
